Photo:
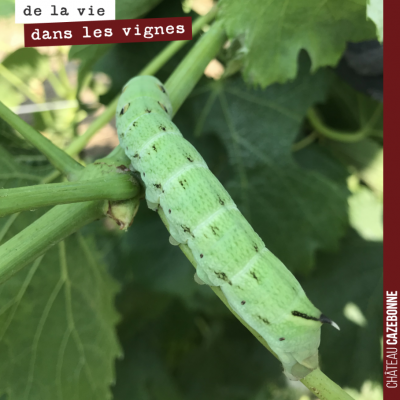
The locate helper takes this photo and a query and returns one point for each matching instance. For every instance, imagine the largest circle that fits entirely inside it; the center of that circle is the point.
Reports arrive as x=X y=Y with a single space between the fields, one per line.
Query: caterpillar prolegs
x=201 y=214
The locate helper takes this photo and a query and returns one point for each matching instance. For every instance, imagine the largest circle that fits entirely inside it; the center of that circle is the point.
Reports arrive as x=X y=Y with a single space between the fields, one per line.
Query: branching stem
x=61 y=160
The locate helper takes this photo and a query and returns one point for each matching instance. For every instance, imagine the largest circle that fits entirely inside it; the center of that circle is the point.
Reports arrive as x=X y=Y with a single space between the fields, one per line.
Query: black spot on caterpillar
x=263 y=319
x=222 y=275
x=214 y=229
x=253 y=274
x=183 y=183
x=186 y=229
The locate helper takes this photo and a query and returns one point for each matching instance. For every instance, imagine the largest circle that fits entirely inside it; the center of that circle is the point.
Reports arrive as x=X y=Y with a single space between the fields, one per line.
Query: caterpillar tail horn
x=325 y=320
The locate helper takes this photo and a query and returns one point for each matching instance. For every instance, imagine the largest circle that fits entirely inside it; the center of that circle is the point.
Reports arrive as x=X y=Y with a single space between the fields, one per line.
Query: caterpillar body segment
x=201 y=214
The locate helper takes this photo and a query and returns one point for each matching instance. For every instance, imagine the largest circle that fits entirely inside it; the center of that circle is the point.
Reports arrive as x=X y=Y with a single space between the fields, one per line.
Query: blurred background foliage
x=316 y=202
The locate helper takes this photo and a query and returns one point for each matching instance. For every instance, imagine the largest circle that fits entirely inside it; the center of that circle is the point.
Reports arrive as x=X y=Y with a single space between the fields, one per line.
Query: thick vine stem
x=112 y=187
x=324 y=388
x=59 y=158
x=185 y=77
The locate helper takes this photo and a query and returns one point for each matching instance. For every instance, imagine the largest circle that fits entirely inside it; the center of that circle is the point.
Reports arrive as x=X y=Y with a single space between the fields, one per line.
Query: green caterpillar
x=201 y=214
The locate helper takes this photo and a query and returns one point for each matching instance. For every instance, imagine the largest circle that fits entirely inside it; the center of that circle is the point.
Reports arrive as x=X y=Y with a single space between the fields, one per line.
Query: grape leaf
x=274 y=32
x=57 y=338
x=375 y=13
x=294 y=210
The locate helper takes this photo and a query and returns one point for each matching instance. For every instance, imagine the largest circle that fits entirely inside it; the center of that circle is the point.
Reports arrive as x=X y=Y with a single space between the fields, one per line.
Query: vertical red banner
x=391 y=276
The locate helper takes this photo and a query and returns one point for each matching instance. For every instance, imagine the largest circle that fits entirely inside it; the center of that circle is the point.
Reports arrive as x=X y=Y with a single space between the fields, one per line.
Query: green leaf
x=146 y=372
x=57 y=317
x=295 y=211
x=25 y=63
x=352 y=277
x=375 y=13
x=274 y=32
x=89 y=54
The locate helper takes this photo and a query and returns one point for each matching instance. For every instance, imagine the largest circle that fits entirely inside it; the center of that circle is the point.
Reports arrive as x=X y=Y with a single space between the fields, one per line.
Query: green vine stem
x=61 y=160
x=303 y=143
x=111 y=187
x=343 y=136
x=182 y=81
